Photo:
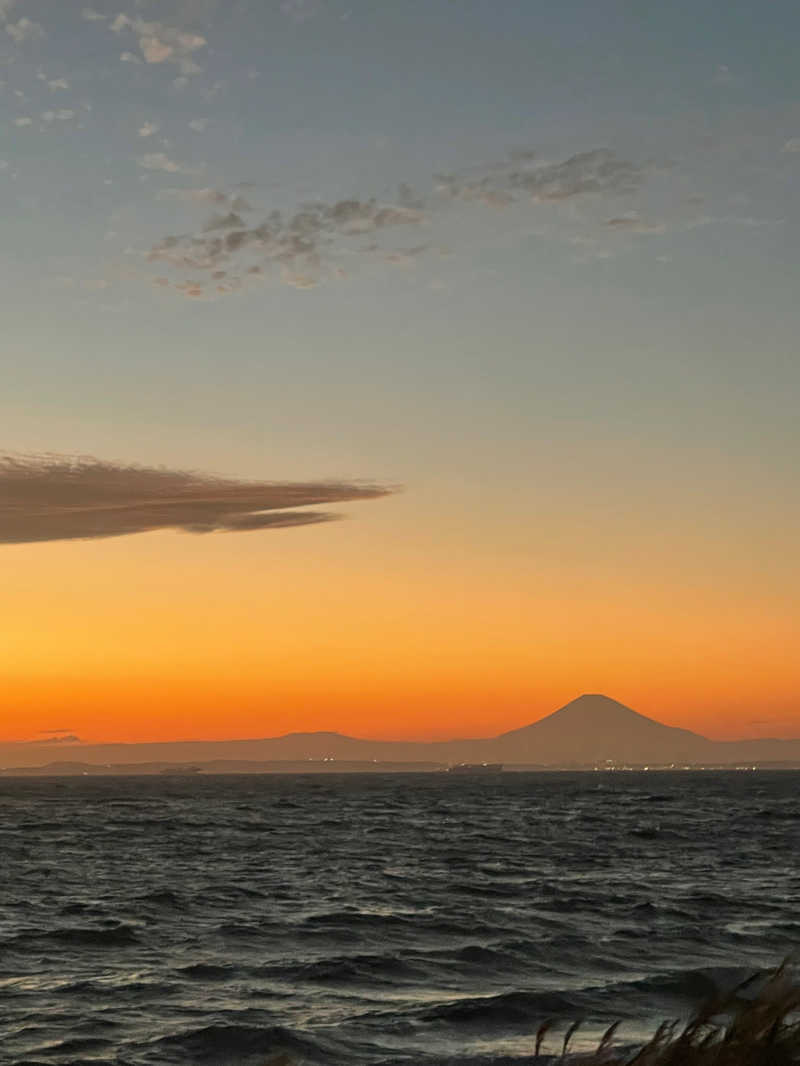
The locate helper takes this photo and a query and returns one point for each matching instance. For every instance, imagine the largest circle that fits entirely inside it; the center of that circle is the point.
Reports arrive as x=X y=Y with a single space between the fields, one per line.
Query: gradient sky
x=536 y=263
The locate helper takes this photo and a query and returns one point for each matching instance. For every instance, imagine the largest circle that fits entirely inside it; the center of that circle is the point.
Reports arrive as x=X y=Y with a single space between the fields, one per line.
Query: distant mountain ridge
x=590 y=730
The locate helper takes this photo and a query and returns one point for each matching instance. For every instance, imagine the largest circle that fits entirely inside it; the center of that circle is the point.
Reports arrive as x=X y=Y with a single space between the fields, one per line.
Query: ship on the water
x=475 y=768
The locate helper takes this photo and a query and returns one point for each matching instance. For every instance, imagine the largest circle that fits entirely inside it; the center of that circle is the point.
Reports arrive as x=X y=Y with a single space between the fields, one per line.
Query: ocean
x=376 y=919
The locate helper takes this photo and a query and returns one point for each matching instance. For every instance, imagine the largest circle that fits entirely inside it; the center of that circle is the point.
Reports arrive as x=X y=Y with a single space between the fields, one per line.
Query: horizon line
x=79 y=743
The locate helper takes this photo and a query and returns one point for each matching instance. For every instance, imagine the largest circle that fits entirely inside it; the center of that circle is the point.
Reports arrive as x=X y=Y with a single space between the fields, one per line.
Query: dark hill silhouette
x=594 y=728
x=590 y=730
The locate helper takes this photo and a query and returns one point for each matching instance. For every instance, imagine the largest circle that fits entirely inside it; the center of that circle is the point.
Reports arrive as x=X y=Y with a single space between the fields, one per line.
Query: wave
x=136 y=823
x=206 y=971
x=77 y=1045
x=476 y=888
x=354 y=919
x=527 y=1009
x=479 y=955
x=45 y=1062
x=136 y=991
x=356 y=969
x=164 y=897
x=693 y=986
x=70 y=909
x=229 y=1042
x=118 y=936
x=224 y=895
x=776 y=815
x=505 y=1010
x=245 y=930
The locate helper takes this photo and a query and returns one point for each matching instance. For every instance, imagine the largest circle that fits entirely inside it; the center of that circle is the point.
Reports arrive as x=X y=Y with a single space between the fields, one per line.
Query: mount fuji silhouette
x=592 y=730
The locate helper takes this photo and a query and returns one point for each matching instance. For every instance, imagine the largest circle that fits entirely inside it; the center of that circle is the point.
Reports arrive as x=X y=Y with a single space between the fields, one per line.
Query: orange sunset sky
x=537 y=273
x=169 y=636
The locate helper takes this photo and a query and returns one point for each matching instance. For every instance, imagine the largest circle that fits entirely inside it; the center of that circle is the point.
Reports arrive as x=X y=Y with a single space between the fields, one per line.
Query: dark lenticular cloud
x=56 y=497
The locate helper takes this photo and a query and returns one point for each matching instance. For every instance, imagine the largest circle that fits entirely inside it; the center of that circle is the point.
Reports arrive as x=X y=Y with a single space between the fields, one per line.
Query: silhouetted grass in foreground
x=757 y=1024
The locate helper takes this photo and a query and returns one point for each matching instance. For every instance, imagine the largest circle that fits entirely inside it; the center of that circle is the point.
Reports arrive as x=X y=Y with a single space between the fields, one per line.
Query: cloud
x=403 y=256
x=304 y=245
x=91 y=15
x=598 y=171
x=161 y=161
x=297 y=280
x=198 y=124
x=300 y=10
x=159 y=43
x=731 y=220
x=632 y=223
x=147 y=129
x=63 y=114
x=56 y=736
x=24 y=30
x=792 y=145
x=298 y=243
x=155 y=50
x=58 y=83
x=55 y=497
x=199 y=196
x=5 y=8
x=229 y=221
x=24 y=120
x=723 y=75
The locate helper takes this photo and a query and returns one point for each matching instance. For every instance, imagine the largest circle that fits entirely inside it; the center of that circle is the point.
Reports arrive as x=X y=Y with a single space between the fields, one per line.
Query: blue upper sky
x=595 y=199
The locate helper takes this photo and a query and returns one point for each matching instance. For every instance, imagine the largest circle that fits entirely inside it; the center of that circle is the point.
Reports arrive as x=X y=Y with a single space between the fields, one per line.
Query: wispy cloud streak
x=55 y=497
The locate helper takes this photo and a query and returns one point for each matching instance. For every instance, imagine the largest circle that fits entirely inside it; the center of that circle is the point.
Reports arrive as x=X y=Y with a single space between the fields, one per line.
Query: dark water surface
x=375 y=919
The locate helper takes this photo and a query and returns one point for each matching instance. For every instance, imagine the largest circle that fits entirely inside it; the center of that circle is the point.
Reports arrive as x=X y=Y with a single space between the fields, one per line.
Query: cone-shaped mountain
x=594 y=728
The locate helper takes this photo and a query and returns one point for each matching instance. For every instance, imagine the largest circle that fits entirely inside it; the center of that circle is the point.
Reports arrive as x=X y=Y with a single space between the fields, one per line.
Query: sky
x=507 y=290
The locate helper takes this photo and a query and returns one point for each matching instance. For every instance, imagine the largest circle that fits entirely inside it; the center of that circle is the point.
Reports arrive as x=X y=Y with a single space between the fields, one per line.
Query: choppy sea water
x=379 y=919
